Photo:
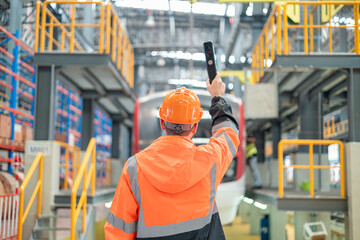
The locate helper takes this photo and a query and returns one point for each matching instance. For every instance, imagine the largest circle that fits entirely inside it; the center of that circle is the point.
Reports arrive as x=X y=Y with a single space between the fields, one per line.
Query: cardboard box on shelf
x=28 y=133
x=5 y=126
x=61 y=137
x=18 y=133
x=107 y=179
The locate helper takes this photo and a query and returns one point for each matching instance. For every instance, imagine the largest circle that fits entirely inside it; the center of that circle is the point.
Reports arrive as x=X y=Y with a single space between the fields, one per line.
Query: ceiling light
x=232 y=59
x=230 y=86
x=242 y=59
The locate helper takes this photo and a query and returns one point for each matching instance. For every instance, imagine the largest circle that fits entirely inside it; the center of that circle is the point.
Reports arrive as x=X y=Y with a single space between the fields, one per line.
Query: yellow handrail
x=117 y=43
x=87 y=174
x=311 y=165
x=39 y=159
x=75 y=161
x=278 y=20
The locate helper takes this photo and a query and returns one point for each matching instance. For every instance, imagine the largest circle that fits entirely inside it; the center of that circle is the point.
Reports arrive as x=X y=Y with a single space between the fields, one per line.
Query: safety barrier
x=311 y=165
x=75 y=156
x=117 y=43
x=38 y=162
x=332 y=129
x=274 y=38
x=9 y=204
x=87 y=174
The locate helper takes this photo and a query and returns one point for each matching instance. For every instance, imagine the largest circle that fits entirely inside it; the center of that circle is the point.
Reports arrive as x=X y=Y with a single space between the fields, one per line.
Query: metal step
x=44 y=217
x=41 y=229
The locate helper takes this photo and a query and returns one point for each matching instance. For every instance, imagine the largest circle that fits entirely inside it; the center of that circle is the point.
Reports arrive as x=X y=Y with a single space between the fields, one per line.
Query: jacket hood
x=173 y=163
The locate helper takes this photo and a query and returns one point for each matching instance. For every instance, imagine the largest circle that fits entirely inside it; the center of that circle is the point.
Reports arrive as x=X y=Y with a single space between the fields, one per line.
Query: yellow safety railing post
x=43 y=22
x=278 y=27
x=101 y=29
x=39 y=161
x=306 y=40
x=37 y=22
x=266 y=46
x=356 y=32
x=311 y=164
x=342 y=170
x=72 y=31
x=281 y=157
x=114 y=35
x=118 y=61
x=51 y=33
x=108 y=27
x=93 y=161
x=330 y=30
x=286 y=47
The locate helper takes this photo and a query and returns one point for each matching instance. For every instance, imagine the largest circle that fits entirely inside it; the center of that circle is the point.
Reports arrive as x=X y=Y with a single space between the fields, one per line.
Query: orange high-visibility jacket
x=167 y=191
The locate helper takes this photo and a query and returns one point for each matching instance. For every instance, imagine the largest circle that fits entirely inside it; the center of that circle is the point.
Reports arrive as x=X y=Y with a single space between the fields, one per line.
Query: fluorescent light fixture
x=108 y=204
x=260 y=205
x=232 y=59
x=199 y=56
x=242 y=59
x=200 y=140
x=222 y=58
x=230 y=11
x=179 y=6
x=250 y=9
x=248 y=200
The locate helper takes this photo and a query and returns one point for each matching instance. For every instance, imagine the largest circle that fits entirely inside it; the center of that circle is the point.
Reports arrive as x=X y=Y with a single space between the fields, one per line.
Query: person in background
x=251 y=160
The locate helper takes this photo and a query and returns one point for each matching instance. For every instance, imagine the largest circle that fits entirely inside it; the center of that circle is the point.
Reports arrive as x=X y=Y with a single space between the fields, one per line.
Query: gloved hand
x=217 y=87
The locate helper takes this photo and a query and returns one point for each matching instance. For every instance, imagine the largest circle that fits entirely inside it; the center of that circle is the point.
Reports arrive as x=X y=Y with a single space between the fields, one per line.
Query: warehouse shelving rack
x=17 y=90
x=102 y=134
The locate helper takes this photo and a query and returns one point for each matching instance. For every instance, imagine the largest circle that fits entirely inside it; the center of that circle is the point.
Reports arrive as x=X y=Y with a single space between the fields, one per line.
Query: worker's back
x=177 y=183
x=167 y=191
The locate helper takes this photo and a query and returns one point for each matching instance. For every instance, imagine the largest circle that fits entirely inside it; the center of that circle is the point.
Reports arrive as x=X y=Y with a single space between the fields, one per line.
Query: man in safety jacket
x=167 y=191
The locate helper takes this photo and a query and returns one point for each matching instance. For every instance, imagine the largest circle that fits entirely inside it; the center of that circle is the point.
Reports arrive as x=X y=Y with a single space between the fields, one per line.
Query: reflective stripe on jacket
x=167 y=191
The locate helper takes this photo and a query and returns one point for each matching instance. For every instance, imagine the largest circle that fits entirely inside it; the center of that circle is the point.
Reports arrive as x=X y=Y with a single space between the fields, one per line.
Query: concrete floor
x=239 y=231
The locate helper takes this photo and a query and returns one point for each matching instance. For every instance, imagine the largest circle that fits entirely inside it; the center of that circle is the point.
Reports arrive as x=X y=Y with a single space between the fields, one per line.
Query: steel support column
x=45 y=103
x=276 y=136
x=260 y=145
x=354 y=105
x=15 y=20
x=115 y=134
x=87 y=124
x=309 y=116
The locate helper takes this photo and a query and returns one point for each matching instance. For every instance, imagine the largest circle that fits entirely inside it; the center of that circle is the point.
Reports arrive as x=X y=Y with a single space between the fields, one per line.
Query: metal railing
x=311 y=165
x=38 y=162
x=9 y=206
x=110 y=32
x=86 y=174
x=74 y=152
x=332 y=129
x=274 y=38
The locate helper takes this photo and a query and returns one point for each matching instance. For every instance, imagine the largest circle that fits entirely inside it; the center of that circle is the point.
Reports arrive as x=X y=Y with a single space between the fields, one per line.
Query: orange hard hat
x=181 y=106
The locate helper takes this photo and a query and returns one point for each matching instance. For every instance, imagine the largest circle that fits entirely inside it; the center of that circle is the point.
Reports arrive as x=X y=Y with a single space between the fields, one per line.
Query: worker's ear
x=195 y=128
x=162 y=124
